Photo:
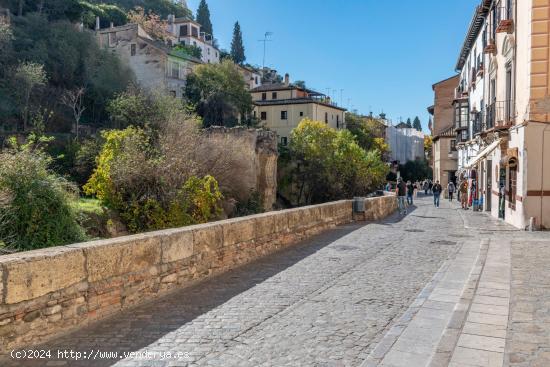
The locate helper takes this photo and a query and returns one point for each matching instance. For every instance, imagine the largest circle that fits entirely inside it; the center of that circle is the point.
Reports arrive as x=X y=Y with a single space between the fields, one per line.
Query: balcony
x=505 y=24
x=500 y=115
x=491 y=47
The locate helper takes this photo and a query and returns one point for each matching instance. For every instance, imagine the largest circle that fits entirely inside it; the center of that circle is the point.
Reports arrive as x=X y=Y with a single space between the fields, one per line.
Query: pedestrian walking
x=425 y=187
x=451 y=189
x=436 y=189
x=463 y=188
x=410 y=193
x=401 y=192
x=430 y=186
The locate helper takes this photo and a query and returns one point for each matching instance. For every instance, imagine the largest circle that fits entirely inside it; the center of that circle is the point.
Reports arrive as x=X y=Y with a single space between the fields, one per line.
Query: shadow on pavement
x=136 y=328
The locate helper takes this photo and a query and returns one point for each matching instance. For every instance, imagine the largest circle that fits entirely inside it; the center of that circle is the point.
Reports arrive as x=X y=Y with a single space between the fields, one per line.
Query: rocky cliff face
x=257 y=150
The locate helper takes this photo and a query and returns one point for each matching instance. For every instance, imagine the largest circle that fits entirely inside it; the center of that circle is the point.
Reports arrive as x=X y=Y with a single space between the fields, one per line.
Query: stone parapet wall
x=47 y=292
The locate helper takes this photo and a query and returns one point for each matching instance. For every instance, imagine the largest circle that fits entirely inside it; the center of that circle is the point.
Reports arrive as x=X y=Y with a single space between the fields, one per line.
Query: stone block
x=177 y=245
x=238 y=231
x=33 y=274
x=265 y=224
x=113 y=257
x=207 y=237
x=294 y=217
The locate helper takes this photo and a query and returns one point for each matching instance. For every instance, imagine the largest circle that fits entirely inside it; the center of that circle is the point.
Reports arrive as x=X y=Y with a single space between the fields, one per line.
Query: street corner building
x=501 y=112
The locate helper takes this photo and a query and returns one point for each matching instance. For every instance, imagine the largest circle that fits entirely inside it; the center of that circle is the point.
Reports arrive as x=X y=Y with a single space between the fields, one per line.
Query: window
x=464 y=135
x=284 y=140
x=263 y=116
x=284 y=115
x=338 y=121
x=301 y=113
x=254 y=114
x=461 y=114
x=264 y=96
x=274 y=95
x=133 y=49
x=453 y=145
x=175 y=70
x=209 y=50
x=183 y=30
x=194 y=31
x=256 y=80
x=326 y=117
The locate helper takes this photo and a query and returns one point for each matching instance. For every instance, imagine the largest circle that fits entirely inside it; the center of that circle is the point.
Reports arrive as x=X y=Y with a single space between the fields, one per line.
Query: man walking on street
x=436 y=189
x=400 y=192
x=463 y=188
x=451 y=190
x=410 y=192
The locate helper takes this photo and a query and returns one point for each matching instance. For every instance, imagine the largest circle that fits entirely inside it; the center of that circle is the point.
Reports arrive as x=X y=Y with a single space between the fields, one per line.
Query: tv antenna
x=265 y=40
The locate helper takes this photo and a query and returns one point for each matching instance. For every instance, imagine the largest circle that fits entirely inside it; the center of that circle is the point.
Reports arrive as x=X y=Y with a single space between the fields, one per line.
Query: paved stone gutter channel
x=428 y=331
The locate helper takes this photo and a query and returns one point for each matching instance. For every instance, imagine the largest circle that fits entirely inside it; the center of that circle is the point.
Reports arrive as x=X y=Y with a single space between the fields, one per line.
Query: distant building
x=406 y=144
x=188 y=32
x=155 y=64
x=444 y=154
x=252 y=77
x=281 y=106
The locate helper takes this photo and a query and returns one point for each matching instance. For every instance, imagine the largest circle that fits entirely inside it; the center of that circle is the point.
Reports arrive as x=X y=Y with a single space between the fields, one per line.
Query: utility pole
x=265 y=40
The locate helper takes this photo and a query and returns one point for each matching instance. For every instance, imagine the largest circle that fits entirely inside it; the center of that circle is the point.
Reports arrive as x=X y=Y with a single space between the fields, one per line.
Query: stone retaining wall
x=46 y=292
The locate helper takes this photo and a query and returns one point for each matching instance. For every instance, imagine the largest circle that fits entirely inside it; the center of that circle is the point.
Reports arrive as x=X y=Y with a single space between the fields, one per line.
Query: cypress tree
x=203 y=18
x=416 y=124
x=409 y=125
x=237 y=48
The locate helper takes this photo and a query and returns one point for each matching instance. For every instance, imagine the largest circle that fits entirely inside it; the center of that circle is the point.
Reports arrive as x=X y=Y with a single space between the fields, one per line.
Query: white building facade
x=188 y=32
x=406 y=144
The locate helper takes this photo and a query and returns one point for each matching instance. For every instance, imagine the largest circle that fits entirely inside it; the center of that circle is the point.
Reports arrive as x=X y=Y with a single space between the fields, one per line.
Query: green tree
x=416 y=124
x=28 y=76
x=369 y=133
x=203 y=18
x=409 y=124
x=218 y=94
x=324 y=164
x=237 y=47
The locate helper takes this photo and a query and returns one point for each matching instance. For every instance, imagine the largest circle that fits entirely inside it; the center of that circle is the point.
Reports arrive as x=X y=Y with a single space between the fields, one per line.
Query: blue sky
x=385 y=55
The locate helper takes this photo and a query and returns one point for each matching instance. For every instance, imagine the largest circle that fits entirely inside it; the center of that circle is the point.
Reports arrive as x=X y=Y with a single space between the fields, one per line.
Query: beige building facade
x=154 y=64
x=510 y=173
x=280 y=107
x=444 y=152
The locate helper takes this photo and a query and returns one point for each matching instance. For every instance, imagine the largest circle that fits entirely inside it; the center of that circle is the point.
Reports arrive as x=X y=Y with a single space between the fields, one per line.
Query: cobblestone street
x=327 y=301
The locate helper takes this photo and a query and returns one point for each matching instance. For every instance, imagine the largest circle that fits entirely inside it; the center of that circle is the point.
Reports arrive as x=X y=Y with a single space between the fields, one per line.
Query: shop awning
x=488 y=149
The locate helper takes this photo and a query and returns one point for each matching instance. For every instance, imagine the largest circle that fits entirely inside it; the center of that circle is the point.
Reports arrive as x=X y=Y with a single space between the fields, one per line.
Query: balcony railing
x=504 y=19
x=499 y=115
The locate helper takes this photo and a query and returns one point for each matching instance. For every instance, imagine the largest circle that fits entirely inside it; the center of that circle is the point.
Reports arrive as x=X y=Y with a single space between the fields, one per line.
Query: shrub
x=164 y=192
x=35 y=203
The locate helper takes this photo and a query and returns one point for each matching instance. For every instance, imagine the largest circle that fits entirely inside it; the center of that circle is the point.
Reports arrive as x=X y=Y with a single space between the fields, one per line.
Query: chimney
x=287 y=79
x=97 y=26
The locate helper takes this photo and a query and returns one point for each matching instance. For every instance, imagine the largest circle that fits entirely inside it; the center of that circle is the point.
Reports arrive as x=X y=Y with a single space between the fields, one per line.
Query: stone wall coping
x=58 y=250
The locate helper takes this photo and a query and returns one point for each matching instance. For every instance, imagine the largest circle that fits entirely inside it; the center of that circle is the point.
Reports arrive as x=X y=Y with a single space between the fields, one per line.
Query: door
x=489 y=185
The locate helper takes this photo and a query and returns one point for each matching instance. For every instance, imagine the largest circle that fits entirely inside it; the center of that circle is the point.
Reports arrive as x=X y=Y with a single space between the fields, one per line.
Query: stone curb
x=393 y=334
x=452 y=332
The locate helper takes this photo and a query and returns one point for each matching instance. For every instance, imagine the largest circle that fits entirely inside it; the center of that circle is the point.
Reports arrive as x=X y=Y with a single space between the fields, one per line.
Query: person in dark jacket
x=400 y=192
x=436 y=189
